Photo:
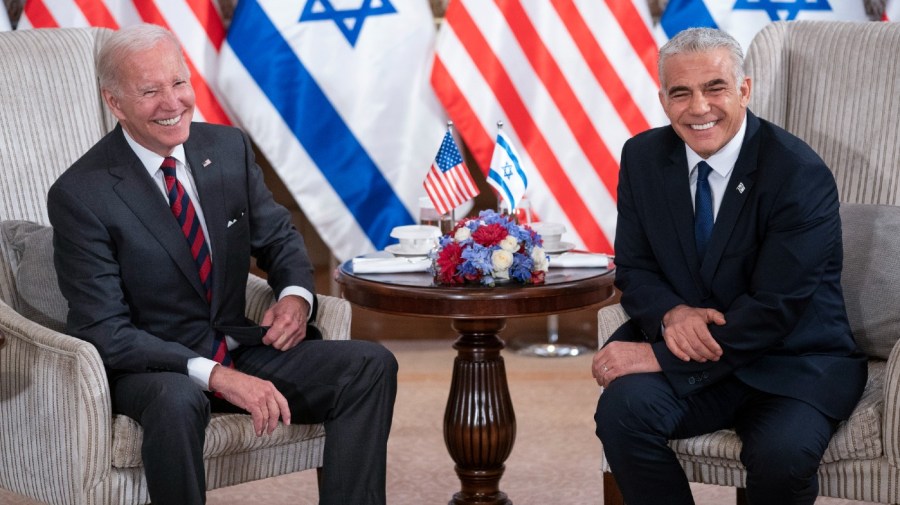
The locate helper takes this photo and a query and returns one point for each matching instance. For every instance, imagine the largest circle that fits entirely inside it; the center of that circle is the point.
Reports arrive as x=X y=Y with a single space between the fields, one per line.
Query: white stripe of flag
x=892 y=10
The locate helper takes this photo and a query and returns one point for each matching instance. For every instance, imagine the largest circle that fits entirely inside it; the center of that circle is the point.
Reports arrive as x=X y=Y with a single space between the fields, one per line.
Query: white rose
x=462 y=234
x=509 y=244
x=501 y=261
x=541 y=262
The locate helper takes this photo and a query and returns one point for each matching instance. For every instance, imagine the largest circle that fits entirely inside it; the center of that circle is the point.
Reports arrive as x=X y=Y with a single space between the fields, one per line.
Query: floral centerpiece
x=488 y=249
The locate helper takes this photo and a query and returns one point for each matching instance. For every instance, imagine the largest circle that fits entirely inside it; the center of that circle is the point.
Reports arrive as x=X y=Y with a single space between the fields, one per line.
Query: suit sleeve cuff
x=298 y=291
x=199 y=370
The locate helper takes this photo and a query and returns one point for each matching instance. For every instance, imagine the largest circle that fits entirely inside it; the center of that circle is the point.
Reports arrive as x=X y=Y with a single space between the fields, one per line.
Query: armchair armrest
x=44 y=376
x=333 y=318
x=609 y=319
x=891 y=417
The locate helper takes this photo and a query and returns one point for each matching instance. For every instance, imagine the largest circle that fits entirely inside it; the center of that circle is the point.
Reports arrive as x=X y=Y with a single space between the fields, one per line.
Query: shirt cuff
x=199 y=370
x=298 y=291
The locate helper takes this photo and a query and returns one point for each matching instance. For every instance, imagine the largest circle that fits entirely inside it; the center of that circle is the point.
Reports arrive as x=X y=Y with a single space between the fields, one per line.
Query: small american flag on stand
x=449 y=183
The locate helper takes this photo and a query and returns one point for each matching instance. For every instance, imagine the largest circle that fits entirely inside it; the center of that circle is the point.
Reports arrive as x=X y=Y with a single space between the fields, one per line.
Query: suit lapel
x=736 y=195
x=138 y=191
x=677 y=190
x=207 y=174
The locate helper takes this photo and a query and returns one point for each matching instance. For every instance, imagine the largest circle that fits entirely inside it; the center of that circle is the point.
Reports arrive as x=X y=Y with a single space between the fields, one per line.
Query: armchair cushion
x=871 y=276
x=227 y=434
x=40 y=299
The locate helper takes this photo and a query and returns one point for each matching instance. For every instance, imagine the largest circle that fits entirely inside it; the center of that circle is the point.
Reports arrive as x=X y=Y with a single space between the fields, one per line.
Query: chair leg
x=611 y=493
x=741 y=496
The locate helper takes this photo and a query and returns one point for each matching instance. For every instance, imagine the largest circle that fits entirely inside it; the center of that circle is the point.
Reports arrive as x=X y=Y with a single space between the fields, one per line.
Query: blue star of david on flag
x=348 y=21
x=772 y=7
x=744 y=18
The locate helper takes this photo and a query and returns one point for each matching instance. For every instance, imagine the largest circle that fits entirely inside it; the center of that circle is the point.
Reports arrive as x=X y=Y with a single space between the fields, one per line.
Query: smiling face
x=702 y=100
x=153 y=99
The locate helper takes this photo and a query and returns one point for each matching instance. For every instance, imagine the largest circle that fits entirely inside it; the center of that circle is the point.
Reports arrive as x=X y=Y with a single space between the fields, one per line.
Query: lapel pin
x=740 y=187
x=206 y=162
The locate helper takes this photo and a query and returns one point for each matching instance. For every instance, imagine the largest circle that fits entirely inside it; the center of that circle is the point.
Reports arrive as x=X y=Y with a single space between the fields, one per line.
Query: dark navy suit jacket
x=124 y=264
x=772 y=266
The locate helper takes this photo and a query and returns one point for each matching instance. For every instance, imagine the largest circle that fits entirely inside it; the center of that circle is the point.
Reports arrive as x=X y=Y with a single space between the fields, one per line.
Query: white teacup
x=415 y=238
x=551 y=233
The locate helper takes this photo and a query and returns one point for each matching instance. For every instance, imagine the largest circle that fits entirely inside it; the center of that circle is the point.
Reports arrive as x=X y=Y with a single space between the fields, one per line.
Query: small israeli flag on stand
x=507 y=175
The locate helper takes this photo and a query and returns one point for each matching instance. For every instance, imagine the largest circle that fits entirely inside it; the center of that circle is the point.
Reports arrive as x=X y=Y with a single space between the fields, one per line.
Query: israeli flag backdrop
x=336 y=95
x=744 y=18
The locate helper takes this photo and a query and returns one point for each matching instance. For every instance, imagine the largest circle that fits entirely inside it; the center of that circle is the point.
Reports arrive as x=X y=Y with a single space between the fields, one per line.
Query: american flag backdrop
x=449 y=183
x=572 y=80
x=196 y=23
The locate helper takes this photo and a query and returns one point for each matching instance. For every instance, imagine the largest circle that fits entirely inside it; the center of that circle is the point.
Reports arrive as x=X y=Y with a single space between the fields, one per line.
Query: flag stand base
x=552 y=348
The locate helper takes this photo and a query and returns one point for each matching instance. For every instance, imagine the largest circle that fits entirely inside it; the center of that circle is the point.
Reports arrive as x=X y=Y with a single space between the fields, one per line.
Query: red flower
x=448 y=260
x=490 y=234
x=537 y=277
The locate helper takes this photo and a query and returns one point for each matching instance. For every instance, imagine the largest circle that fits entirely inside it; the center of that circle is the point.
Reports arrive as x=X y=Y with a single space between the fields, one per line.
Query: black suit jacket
x=124 y=264
x=772 y=266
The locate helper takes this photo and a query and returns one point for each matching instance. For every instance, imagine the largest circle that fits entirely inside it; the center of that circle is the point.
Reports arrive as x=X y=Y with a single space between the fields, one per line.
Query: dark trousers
x=350 y=386
x=783 y=438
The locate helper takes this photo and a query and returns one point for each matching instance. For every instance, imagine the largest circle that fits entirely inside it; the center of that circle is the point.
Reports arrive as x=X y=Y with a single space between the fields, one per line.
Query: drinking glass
x=428 y=215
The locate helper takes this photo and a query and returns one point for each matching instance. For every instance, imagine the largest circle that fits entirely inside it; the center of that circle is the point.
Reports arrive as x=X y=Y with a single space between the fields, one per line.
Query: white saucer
x=397 y=251
x=561 y=248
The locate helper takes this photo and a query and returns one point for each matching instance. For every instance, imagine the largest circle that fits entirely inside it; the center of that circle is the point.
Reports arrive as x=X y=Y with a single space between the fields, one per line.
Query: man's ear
x=112 y=102
x=746 y=86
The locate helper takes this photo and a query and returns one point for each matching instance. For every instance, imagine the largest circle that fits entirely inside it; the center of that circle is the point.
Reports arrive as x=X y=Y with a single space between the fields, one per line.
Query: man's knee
x=377 y=359
x=781 y=461
x=176 y=397
x=625 y=406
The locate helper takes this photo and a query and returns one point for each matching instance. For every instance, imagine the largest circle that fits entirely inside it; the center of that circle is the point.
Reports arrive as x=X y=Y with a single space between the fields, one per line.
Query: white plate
x=397 y=251
x=561 y=248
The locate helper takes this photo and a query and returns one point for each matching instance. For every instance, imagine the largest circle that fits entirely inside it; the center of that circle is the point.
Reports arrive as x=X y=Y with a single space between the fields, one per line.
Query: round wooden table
x=479 y=422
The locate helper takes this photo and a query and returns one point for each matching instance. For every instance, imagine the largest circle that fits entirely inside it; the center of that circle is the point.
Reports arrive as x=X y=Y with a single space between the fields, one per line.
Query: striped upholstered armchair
x=837 y=86
x=59 y=442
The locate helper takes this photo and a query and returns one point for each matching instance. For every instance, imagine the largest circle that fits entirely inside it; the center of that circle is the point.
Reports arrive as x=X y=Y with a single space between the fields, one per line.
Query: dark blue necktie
x=703 y=209
x=183 y=210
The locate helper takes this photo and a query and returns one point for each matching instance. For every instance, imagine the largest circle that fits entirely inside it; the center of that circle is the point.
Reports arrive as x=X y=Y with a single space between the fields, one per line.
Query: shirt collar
x=723 y=161
x=150 y=159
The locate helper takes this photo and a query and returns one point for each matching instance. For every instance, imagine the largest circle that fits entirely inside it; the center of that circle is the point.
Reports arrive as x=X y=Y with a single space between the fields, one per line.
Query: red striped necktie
x=183 y=210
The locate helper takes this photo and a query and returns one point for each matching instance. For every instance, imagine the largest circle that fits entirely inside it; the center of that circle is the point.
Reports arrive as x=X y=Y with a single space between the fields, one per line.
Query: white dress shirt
x=199 y=369
x=722 y=164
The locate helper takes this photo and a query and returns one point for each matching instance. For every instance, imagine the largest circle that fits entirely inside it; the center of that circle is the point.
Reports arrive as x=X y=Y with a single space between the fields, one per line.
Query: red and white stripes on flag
x=196 y=23
x=449 y=183
x=571 y=79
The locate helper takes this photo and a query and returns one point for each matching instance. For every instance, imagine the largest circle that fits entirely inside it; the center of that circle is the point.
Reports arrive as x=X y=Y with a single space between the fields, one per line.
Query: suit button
x=692 y=380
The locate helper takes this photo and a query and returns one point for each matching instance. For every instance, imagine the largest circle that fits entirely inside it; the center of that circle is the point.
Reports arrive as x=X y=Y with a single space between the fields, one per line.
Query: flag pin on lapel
x=740 y=187
x=206 y=162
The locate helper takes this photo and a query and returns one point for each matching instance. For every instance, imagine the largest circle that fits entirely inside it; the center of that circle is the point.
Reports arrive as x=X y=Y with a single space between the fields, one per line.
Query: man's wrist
x=303 y=294
x=200 y=370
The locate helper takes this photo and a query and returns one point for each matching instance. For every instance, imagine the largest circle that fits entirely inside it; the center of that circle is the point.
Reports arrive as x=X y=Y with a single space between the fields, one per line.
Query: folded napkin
x=386 y=265
x=579 y=260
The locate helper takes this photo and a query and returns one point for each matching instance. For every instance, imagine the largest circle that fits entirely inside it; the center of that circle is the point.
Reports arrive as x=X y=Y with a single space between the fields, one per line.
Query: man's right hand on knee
x=258 y=397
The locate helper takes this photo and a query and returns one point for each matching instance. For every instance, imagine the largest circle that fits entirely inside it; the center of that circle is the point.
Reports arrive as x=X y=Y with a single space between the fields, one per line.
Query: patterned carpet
x=555 y=460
